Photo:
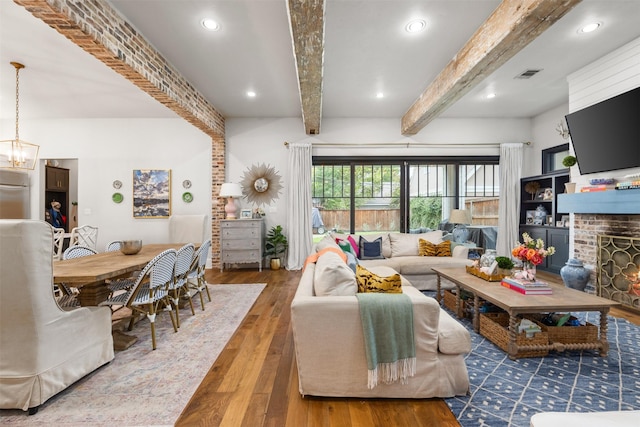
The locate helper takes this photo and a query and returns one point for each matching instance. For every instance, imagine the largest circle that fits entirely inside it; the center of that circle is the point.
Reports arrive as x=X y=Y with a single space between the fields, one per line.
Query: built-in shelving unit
x=550 y=186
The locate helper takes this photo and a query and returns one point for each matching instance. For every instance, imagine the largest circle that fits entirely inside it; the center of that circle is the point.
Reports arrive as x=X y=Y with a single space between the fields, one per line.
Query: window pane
x=480 y=191
x=331 y=197
x=431 y=192
x=377 y=198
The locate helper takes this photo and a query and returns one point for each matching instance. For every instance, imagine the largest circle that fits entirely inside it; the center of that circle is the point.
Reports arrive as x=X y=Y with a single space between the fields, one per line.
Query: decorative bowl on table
x=130 y=247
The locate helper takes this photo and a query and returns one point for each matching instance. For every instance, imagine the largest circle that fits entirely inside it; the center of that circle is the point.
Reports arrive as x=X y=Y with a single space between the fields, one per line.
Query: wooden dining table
x=88 y=274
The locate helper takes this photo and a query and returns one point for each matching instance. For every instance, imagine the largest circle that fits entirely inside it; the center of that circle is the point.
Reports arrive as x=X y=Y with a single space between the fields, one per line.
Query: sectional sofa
x=400 y=252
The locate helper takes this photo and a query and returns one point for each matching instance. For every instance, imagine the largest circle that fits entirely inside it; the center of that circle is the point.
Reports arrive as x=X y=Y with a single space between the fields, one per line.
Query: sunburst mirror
x=261 y=184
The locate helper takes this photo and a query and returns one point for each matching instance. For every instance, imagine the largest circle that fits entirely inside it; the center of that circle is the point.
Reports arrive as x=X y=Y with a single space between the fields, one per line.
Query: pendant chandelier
x=15 y=153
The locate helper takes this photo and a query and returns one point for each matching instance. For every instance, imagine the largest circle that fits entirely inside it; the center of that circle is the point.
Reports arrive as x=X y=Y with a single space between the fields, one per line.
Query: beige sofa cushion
x=452 y=339
x=333 y=277
x=407 y=244
x=326 y=242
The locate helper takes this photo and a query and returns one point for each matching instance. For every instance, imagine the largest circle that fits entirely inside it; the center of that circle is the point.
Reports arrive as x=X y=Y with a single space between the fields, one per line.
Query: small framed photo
x=246 y=214
x=559 y=224
x=565 y=220
x=549 y=220
x=529 y=217
x=544 y=194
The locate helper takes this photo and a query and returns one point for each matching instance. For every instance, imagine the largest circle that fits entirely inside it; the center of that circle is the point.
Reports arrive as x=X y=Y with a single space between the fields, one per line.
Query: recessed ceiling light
x=491 y=95
x=210 y=24
x=251 y=94
x=379 y=95
x=590 y=27
x=415 y=26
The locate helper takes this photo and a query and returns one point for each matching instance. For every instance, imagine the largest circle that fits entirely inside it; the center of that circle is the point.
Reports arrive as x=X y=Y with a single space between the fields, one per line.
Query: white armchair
x=43 y=349
x=187 y=228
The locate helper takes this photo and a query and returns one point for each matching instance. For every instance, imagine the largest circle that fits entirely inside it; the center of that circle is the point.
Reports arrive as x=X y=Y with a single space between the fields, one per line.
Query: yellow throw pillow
x=426 y=248
x=369 y=282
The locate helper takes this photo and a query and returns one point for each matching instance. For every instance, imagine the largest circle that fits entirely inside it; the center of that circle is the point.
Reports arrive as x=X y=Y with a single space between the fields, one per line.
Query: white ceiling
x=366 y=51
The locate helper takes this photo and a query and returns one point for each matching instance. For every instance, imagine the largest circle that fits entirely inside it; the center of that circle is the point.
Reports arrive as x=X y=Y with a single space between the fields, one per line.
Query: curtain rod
x=407 y=145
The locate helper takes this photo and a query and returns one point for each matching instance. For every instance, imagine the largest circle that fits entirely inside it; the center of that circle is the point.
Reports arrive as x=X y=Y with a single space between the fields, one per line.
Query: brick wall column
x=101 y=31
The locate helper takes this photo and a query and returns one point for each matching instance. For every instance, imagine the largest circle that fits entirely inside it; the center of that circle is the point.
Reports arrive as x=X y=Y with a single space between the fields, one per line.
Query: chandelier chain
x=18 y=66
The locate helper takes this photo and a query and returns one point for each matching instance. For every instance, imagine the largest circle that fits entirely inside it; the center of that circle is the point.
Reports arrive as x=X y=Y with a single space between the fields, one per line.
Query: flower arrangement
x=532 y=250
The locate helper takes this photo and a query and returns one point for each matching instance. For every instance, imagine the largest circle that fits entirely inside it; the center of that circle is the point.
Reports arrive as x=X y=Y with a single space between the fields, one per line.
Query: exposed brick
x=99 y=29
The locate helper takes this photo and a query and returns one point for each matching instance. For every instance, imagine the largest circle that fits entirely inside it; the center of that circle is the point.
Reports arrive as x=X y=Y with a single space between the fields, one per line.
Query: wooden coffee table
x=563 y=299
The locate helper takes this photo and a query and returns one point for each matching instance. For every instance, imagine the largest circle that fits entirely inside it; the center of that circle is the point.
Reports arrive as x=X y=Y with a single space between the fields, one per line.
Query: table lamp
x=460 y=217
x=230 y=190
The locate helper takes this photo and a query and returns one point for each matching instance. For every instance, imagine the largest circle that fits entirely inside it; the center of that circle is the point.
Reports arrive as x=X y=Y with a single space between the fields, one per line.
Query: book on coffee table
x=527 y=287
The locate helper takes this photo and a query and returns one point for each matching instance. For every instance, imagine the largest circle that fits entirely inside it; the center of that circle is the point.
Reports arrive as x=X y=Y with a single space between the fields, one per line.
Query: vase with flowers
x=532 y=253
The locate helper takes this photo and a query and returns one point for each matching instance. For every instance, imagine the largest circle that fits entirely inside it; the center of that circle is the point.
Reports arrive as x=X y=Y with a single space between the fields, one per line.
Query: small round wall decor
x=261 y=184
x=117 y=184
x=117 y=197
x=186 y=183
x=187 y=197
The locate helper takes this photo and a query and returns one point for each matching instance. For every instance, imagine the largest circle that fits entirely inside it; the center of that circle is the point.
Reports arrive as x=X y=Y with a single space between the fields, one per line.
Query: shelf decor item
x=569 y=161
x=532 y=188
x=532 y=253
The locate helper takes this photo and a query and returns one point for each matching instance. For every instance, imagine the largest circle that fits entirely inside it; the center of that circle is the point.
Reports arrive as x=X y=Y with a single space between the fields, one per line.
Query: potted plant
x=505 y=265
x=276 y=245
x=569 y=161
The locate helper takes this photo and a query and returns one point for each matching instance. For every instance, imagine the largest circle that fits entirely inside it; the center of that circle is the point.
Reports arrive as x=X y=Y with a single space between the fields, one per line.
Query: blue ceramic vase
x=574 y=275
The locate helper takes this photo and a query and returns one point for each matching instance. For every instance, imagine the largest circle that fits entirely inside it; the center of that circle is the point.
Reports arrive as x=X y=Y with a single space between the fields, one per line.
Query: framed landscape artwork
x=151 y=193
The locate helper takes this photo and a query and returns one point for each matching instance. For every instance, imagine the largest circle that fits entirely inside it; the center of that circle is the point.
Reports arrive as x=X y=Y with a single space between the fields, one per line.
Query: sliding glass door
x=375 y=195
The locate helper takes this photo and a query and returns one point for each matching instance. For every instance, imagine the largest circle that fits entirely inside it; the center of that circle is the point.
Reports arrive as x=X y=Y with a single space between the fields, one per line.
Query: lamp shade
x=459 y=216
x=230 y=189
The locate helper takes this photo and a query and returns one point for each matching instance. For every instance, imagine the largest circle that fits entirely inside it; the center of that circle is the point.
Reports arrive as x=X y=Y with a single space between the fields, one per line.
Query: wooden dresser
x=241 y=242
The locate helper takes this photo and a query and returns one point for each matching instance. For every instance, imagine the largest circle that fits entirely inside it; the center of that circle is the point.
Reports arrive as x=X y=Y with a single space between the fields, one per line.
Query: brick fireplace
x=611 y=213
x=587 y=227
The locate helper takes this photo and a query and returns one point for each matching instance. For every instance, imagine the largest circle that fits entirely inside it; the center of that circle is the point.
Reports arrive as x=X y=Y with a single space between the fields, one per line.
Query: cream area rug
x=143 y=387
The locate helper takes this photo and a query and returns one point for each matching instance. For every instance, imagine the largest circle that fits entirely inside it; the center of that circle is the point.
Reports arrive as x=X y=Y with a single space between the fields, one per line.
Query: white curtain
x=511 y=156
x=299 y=208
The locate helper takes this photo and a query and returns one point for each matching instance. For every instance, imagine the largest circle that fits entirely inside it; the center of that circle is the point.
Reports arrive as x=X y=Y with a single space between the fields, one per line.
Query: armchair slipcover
x=43 y=349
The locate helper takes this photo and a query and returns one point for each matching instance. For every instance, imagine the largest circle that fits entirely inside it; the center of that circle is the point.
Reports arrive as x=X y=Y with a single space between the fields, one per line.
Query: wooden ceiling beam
x=511 y=27
x=306 y=18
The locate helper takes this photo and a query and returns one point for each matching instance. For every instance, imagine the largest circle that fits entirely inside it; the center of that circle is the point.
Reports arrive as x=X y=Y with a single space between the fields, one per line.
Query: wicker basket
x=485 y=276
x=449 y=300
x=587 y=333
x=494 y=327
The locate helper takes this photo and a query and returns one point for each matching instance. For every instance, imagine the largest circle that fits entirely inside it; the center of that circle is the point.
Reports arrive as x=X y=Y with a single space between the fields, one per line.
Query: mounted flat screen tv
x=606 y=135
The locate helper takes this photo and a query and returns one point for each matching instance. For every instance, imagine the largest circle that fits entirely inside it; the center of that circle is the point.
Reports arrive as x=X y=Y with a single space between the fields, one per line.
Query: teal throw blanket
x=387 y=324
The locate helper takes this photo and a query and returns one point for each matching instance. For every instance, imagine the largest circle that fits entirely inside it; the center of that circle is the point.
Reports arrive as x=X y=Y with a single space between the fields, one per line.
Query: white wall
x=110 y=149
x=545 y=135
x=609 y=76
x=254 y=141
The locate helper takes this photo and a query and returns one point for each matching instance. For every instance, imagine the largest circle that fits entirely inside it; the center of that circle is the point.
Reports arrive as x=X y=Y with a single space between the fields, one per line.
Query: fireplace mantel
x=610 y=202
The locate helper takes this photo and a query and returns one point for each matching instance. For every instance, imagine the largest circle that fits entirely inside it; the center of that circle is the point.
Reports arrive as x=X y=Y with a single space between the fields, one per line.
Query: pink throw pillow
x=354 y=245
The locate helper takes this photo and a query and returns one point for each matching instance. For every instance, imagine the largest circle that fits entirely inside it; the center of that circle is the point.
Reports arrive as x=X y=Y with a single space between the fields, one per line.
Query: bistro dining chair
x=195 y=277
x=150 y=292
x=177 y=287
x=87 y=235
x=58 y=243
x=123 y=283
x=69 y=299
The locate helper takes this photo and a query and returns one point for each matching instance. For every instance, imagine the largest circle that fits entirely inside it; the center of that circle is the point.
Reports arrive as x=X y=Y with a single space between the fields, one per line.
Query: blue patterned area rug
x=508 y=392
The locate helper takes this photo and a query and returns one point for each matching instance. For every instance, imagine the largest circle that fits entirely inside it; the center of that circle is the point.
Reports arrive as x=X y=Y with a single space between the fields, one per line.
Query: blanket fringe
x=388 y=373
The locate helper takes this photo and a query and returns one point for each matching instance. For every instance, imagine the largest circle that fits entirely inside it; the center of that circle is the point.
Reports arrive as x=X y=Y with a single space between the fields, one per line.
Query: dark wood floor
x=254 y=381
